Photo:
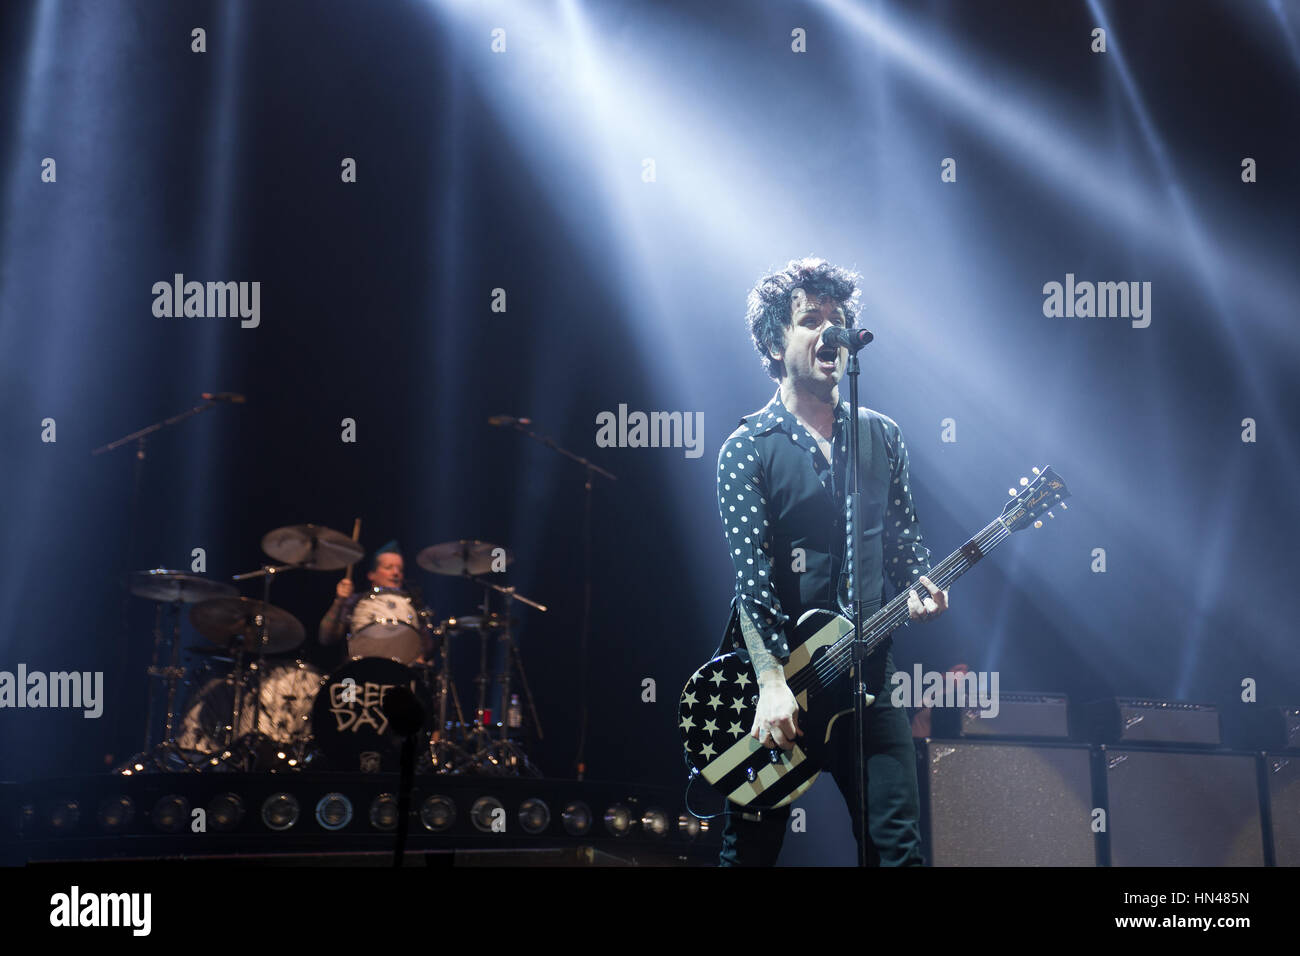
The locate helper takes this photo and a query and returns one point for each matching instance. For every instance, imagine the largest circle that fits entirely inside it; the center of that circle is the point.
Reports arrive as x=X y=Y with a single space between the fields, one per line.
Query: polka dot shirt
x=773 y=442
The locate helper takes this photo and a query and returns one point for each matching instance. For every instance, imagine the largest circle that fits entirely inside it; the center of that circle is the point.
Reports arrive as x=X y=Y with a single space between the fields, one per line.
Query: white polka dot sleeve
x=742 y=505
x=906 y=556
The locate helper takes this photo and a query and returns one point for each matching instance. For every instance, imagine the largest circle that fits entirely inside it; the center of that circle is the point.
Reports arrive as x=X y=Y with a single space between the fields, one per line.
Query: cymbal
x=312 y=546
x=226 y=621
x=460 y=557
x=161 y=584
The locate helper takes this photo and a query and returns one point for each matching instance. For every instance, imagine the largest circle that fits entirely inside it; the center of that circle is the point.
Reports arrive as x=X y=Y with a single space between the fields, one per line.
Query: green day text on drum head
x=348 y=721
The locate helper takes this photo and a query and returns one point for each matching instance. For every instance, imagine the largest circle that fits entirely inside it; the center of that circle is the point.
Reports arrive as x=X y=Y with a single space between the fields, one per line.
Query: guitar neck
x=894 y=614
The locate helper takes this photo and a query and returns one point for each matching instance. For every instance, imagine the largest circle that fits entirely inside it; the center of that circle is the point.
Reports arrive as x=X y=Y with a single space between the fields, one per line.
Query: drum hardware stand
x=245 y=752
x=167 y=755
x=445 y=756
x=590 y=471
x=503 y=756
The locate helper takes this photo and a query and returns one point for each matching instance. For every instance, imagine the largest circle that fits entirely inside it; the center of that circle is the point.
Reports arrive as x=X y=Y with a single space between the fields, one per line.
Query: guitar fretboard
x=839 y=658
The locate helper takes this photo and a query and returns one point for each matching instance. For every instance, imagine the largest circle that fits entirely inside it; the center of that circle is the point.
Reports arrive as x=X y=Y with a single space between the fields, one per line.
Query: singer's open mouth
x=828 y=353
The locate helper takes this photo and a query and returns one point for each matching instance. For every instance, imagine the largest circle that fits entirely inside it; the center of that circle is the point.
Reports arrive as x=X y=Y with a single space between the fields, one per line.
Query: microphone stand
x=591 y=469
x=855 y=588
x=133 y=523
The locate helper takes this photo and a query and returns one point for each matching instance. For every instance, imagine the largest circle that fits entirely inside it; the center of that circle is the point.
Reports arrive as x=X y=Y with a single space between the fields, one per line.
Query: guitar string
x=942 y=575
x=896 y=613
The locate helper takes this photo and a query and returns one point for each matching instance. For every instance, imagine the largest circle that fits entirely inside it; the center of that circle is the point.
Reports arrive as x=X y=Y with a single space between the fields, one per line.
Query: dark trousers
x=892 y=801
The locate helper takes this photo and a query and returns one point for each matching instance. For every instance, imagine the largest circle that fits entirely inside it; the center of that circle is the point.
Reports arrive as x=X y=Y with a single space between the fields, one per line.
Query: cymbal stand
x=445 y=755
x=480 y=737
x=506 y=756
x=244 y=753
x=167 y=755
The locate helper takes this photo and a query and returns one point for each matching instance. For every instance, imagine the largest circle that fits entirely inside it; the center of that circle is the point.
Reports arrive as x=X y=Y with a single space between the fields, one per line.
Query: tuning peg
x=1065 y=506
x=1037 y=472
x=1050 y=515
x=1011 y=492
x=1038 y=524
x=1023 y=482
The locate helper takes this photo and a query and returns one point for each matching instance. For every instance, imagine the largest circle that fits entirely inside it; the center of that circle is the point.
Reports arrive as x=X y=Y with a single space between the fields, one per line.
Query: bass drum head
x=202 y=728
x=348 y=723
x=287 y=690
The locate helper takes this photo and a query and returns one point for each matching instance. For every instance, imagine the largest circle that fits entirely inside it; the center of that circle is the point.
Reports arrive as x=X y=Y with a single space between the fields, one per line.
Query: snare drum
x=348 y=723
x=386 y=622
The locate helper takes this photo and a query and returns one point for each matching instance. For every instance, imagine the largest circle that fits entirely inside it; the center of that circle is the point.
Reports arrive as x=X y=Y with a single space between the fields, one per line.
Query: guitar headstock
x=1027 y=505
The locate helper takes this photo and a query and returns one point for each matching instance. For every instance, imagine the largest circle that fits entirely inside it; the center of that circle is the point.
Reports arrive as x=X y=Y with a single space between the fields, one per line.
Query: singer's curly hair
x=768 y=312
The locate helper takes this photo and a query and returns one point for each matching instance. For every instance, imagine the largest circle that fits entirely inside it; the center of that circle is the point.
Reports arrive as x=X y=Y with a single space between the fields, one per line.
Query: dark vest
x=816 y=524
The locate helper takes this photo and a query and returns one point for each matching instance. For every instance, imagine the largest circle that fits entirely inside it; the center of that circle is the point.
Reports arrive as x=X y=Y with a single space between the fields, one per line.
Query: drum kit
x=249 y=711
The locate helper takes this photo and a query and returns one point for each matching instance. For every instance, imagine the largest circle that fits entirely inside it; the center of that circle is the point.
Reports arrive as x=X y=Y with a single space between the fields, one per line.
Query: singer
x=781 y=497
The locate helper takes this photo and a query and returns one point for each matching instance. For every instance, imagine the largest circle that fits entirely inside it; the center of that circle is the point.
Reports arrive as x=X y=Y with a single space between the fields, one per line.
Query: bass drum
x=288 y=691
x=348 y=723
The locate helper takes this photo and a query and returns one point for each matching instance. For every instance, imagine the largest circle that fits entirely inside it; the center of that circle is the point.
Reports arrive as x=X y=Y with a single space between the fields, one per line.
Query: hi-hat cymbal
x=161 y=584
x=227 y=621
x=460 y=557
x=312 y=546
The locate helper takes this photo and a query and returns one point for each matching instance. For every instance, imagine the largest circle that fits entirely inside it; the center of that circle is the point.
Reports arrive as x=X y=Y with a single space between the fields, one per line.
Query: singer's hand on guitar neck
x=934 y=604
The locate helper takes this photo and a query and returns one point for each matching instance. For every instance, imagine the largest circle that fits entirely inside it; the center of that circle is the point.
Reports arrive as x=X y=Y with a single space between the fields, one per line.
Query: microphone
x=233 y=397
x=502 y=421
x=851 y=339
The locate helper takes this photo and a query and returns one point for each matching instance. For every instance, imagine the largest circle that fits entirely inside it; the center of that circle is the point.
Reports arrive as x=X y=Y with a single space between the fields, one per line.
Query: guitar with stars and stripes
x=719 y=701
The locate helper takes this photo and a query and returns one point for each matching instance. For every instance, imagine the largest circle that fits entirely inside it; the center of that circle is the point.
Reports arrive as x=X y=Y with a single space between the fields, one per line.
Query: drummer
x=386 y=572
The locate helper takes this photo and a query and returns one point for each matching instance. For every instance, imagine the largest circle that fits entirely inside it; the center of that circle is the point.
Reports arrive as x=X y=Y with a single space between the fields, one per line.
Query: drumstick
x=356 y=533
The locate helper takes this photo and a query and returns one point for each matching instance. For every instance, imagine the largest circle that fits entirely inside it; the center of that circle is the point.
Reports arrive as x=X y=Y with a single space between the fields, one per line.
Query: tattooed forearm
x=759 y=655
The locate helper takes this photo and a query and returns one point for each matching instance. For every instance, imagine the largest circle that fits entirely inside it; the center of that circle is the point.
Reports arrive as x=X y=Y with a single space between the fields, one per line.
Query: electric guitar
x=719 y=701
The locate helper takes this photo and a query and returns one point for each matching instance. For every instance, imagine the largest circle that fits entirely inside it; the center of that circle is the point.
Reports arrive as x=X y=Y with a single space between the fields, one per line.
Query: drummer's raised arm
x=332 y=625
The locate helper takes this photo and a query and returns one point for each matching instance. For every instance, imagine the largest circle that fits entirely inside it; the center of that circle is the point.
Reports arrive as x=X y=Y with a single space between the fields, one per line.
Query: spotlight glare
x=280 y=811
x=534 y=815
x=225 y=812
x=577 y=818
x=655 y=823
x=171 y=813
x=116 y=813
x=689 y=826
x=334 y=811
x=618 y=820
x=64 y=815
x=383 y=812
x=484 y=813
x=438 y=813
